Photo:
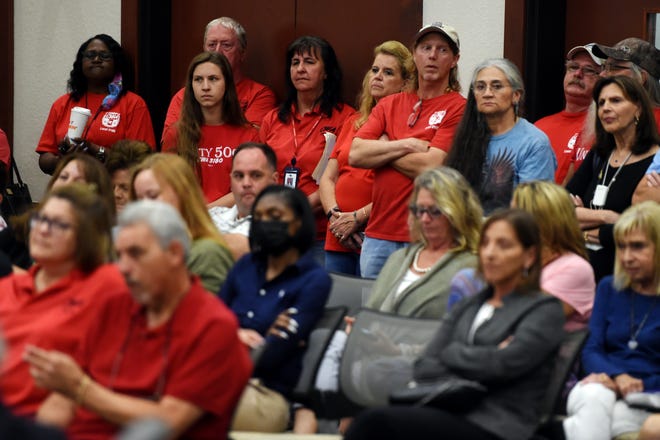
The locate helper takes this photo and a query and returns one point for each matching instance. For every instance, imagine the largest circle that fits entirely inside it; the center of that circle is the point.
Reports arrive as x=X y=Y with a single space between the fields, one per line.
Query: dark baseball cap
x=639 y=52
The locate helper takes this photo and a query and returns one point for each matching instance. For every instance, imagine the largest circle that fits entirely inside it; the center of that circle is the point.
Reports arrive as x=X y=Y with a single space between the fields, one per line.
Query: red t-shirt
x=128 y=119
x=256 y=100
x=353 y=186
x=5 y=151
x=54 y=319
x=216 y=151
x=196 y=356
x=436 y=123
x=563 y=129
x=307 y=151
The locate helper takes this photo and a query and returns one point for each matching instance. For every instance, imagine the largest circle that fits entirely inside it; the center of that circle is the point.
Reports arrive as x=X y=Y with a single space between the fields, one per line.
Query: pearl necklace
x=415 y=261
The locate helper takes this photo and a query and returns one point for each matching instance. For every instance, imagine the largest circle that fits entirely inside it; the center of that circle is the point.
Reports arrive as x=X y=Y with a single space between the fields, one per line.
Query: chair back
x=379 y=355
x=568 y=354
x=349 y=291
x=317 y=344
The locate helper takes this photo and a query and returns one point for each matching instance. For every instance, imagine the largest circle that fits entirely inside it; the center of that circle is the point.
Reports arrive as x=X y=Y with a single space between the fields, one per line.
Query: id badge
x=291 y=175
x=600 y=195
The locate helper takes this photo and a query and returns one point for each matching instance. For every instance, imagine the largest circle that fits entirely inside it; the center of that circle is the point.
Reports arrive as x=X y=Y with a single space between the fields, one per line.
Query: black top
x=619 y=198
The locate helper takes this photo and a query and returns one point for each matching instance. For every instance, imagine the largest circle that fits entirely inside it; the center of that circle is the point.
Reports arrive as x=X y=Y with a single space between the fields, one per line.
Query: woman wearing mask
x=279 y=276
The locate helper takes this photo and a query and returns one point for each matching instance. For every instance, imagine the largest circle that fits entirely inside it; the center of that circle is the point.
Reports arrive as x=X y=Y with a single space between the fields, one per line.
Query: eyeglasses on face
x=586 y=70
x=416 y=111
x=92 y=54
x=54 y=226
x=419 y=211
x=495 y=87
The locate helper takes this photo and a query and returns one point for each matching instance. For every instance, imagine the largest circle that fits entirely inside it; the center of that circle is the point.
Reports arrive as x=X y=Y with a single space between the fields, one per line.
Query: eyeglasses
x=419 y=211
x=92 y=54
x=586 y=70
x=494 y=87
x=54 y=226
x=611 y=67
x=416 y=111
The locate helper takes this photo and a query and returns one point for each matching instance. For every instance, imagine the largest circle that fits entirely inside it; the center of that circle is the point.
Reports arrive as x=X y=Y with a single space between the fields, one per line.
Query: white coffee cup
x=78 y=121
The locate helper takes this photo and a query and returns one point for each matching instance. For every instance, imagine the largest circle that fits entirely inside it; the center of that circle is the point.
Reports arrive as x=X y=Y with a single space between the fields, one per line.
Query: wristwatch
x=100 y=154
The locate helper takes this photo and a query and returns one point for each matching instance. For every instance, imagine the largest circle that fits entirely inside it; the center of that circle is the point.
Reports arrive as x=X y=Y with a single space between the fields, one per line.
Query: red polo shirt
x=195 y=356
x=54 y=319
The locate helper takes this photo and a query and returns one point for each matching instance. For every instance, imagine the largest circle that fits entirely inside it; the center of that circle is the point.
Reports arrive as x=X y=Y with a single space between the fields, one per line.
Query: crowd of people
x=182 y=280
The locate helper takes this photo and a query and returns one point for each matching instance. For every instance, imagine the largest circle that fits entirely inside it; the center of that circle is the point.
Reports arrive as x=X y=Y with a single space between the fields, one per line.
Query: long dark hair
x=331 y=97
x=470 y=145
x=646 y=131
x=189 y=125
x=77 y=84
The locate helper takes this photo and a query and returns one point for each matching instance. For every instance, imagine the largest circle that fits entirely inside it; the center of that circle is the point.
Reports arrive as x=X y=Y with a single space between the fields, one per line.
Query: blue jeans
x=343 y=262
x=318 y=252
x=375 y=253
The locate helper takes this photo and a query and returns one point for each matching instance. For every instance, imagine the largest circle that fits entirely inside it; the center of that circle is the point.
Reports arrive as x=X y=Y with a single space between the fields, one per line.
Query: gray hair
x=164 y=221
x=232 y=24
x=510 y=71
x=652 y=86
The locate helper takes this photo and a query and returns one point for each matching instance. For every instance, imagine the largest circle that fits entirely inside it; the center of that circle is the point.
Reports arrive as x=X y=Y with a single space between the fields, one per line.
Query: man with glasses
x=226 y=36
x=637 y=59
x=565 y=129
x=168 y=350
x=407 y=133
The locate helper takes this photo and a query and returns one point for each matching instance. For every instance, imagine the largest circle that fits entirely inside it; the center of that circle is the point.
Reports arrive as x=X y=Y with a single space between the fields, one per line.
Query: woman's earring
x=636 y=120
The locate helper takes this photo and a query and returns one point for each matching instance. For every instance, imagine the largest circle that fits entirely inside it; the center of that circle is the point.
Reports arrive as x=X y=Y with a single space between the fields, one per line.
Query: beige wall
x=480 y=27
x=48 y=33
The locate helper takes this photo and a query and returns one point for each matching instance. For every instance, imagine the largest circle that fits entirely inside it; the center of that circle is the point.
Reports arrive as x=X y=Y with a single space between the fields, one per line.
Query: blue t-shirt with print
x=655 y=166
x=519 y=155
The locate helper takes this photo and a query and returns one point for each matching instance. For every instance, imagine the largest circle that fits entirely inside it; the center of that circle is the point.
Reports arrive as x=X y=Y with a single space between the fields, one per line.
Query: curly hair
x=77 y=84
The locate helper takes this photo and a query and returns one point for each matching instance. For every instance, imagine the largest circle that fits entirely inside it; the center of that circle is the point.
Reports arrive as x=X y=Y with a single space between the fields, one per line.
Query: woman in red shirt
x=211 y=126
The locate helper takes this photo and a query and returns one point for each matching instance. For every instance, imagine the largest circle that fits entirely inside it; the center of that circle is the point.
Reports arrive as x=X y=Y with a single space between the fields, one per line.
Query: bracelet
x=82 y=389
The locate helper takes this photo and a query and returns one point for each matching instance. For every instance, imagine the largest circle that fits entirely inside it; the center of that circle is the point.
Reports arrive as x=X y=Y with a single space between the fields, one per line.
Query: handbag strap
x=14 y=169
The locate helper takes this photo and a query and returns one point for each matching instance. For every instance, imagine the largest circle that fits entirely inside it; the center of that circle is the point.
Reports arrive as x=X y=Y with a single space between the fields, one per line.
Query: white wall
x=47 y=34
x=480 y=27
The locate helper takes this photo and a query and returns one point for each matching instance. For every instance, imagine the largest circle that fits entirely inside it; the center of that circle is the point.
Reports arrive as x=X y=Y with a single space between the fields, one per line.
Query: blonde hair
x=398 y=50
x=459 y=204
x=642 y=217
x=554 y=212
x=175 y=172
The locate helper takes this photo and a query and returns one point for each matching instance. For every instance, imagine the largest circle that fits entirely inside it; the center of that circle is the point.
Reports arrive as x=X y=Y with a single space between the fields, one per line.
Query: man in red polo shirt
x=226 y=36
x=407 y=133
x=169 y=350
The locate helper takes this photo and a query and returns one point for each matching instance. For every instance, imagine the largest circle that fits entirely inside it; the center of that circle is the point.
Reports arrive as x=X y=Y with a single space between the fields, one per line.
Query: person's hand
x=349 y=321
x=505 y=343
x=67 y=146
x=284 y=324
x=653 y=179
x=602 y=379
x=628 y=384
x=54 y=370
x=577 y=201
x=414 y=145
x=250 y=337
x=343 y=225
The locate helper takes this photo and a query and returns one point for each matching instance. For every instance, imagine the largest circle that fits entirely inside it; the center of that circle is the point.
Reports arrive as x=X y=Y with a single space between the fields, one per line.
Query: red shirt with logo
x=216 y=151
x=56 y=318
x=564 y=131
x=437 y=122
x=128 y=119
x=256 y=100
x=307 y=148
